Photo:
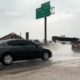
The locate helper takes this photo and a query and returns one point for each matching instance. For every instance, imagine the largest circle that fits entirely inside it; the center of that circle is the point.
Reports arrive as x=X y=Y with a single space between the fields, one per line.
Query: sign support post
x=45 y=30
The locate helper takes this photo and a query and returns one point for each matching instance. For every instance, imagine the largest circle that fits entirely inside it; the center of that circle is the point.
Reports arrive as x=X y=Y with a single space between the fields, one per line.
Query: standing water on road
x=62 y=52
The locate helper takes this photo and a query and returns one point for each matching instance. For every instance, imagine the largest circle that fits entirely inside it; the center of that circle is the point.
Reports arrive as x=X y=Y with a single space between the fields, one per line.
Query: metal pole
x=27 y=35
x=45 y=30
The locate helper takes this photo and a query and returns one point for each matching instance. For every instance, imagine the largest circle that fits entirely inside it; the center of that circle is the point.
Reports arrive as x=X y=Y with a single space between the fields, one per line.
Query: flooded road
x=61 y=55
x=62 y=52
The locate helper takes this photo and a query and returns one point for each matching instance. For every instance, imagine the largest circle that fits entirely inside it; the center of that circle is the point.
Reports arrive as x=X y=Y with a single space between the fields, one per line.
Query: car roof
x=3 y=41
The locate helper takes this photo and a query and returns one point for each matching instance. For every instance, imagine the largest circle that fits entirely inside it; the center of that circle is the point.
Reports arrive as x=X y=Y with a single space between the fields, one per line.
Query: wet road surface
x=61 y=54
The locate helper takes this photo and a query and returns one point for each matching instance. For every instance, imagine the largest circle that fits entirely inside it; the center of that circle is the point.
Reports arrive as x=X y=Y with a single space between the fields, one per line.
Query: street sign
x=46 y=4
x=44 y=11
x=39 y=13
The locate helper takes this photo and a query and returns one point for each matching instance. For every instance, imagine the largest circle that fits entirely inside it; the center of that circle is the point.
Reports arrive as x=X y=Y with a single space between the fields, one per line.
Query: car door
x=32 y=50
x=17 y=49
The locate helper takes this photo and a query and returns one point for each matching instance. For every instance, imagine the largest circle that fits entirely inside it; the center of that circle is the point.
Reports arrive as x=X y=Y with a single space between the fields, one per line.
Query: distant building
x=56 y=38
x=11 y=36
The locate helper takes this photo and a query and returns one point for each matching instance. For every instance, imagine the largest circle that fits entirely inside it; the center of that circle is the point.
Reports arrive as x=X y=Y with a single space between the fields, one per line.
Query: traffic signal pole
x=45 y=30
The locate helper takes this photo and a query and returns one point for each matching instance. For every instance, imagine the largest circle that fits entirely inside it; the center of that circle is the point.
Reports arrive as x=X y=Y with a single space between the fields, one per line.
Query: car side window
x=31 y=45
x=14 y=43
x=28 y=44
x=22 y=43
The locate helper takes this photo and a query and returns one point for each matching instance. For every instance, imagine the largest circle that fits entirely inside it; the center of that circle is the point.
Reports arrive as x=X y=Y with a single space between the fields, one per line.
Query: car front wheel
x=45 y=56
x=7 y=60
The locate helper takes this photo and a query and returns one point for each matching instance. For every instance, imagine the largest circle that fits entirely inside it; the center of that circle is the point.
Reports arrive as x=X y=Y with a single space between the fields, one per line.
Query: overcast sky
x=19 y=16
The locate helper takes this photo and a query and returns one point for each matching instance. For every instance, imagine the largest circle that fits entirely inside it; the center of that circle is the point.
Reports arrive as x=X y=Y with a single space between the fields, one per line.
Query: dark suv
x=14 y=50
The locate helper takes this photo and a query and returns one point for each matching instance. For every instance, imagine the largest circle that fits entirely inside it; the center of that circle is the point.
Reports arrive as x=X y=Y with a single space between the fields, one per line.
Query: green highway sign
x=43 y=11
x=39 y=13
x=46 y=4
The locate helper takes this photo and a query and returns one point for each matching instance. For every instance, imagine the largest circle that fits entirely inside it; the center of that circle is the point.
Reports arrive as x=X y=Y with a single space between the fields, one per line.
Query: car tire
x=7 y=60
x=45 y=56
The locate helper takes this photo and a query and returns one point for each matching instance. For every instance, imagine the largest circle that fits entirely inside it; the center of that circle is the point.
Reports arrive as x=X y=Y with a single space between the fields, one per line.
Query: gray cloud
x=19 y=16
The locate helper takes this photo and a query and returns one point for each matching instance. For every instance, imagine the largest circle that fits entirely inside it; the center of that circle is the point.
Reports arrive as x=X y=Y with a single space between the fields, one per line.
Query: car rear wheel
x=45 y=56
x=7 y=60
